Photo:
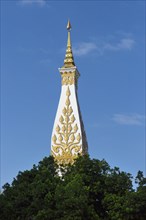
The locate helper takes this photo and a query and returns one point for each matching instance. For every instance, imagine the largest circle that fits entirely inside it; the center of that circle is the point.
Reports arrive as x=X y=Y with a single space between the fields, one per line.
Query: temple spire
x=69 y=60
x=68 y=136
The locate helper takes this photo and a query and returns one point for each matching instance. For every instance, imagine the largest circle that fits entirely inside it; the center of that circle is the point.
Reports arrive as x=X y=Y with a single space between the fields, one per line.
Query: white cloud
x=101 y=47
x=123 y=44
x=84 y=48
x=129 y=119
x=30 y=2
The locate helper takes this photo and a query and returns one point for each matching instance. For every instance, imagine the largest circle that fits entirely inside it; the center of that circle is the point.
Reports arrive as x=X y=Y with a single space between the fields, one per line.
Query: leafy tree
x=87 y=190
x=31 y=193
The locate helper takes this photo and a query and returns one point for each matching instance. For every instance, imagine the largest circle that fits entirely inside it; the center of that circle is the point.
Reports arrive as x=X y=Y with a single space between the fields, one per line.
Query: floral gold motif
x=66 y=145
x=69 y=78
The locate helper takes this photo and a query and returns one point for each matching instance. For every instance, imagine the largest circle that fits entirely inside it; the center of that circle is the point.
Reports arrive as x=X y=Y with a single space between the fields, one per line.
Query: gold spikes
x=69 y=60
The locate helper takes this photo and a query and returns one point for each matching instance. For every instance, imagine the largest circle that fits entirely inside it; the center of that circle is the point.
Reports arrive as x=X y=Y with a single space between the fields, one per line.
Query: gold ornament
x=66 y=145
x=69 y=78
x=69 y=60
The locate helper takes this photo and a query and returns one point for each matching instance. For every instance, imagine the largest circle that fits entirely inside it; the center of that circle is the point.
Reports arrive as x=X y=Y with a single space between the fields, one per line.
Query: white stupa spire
x=68 y=135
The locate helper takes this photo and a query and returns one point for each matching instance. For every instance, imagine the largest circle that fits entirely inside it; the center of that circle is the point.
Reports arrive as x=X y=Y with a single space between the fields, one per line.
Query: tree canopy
x=87 y=190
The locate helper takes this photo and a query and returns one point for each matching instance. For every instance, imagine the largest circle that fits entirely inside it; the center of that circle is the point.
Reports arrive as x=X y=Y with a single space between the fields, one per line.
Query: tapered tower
x=68 y=136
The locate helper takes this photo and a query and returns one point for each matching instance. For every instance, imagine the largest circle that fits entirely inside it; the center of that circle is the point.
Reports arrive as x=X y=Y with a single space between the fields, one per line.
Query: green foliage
x=87 y=190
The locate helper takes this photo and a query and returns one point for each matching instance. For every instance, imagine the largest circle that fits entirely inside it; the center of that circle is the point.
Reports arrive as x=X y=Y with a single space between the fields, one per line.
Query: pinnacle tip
x=68 y=25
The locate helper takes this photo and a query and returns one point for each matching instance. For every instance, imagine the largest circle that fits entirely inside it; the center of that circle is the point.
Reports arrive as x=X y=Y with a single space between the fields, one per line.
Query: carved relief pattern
x=69 y=78
x=66 y=145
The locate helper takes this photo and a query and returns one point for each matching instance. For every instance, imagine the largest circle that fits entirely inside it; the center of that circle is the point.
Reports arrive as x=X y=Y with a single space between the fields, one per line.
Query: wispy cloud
x=84 y=48
x=31 y=2
x=101 y=46
x=123 y=44
x=129 y=119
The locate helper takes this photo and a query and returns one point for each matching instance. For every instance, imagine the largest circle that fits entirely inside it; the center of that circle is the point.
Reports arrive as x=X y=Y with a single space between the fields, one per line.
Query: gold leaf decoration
x=66 y=145
x=72 y=137
x=54 y=138
x=68 y=92
x=78 y=137
x=75 y=128
x=60 y=137
x=61 y=119
x=69 y=128
x=72 y=118
x=64 y=111
x=63 y=128
x=69 y=78
x=70 y=111
x=57 y=128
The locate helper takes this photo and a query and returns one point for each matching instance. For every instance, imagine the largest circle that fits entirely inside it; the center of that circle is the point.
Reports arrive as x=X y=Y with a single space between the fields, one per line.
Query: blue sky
x=108 y=39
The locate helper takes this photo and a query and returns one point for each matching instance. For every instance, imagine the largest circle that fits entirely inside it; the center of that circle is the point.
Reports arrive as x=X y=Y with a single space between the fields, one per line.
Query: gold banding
x=69 y=78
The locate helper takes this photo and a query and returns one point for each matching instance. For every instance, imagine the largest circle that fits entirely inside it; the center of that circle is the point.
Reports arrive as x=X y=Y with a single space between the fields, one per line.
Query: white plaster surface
x=61 y=105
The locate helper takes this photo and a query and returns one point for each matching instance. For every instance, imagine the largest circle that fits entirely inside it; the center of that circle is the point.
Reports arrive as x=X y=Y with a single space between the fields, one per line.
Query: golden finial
x=68 y=25
x=69 y=60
